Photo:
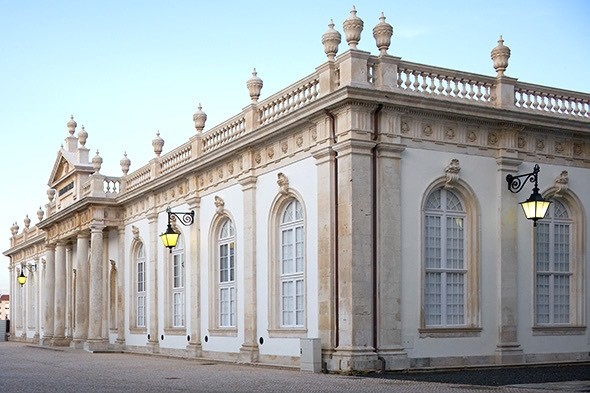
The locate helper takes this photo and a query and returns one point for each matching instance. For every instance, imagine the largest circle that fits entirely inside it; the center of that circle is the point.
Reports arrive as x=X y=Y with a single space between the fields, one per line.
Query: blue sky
x=127 y=69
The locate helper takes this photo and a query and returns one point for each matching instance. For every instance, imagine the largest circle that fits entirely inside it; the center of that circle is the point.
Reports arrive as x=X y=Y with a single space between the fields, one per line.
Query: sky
x=129 y=69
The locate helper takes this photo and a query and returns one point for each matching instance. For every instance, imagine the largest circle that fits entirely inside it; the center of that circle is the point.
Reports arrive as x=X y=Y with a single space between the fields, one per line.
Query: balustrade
x=539 y=98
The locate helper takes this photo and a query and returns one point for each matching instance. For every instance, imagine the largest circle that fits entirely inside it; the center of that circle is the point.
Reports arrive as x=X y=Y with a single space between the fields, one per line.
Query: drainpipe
x=335 y=213
x=374 y=138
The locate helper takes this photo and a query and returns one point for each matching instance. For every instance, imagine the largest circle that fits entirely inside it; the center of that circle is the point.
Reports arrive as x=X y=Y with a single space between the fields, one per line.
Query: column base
x=248 y=353
x=353 y=359
x=96 y=345
x=153 y=346
x=509 y=353
x=60 y=341
x=394 y=358
x=119 y=344
x=47 y=341
x=194 y=350
x=78 y=343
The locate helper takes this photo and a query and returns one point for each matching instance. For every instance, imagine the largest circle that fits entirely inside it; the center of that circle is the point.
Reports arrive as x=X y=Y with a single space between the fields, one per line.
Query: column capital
x=247 y=182
x=354 y=146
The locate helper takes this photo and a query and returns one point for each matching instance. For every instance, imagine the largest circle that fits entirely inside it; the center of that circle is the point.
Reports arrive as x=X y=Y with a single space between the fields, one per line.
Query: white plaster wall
x=420 y=168
x=303 y=180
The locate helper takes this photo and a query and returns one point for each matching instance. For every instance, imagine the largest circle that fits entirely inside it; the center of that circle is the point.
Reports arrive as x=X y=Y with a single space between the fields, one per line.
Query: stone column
x=389 y=263
x=121 y=290
x=249 y=349
x=12 y=291
x=193 y=264
x=326 y=200
x=59 y=327
x=153 y=343
x=95 y=341
x=69 y=294
x=49 y=291
x=81 y=291
x=508 y=349
x=355 y=282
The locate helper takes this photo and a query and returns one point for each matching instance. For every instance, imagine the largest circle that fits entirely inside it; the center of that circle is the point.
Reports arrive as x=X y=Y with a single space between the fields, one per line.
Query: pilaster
x=59 y=327
x=508 y=349
x=389 y=256
x=120 y=291
x=249 y=349
x=194 y=348
x=95 y=341
x=355 y=349
x=49 y=294
x=153 y=343
x=81 y=294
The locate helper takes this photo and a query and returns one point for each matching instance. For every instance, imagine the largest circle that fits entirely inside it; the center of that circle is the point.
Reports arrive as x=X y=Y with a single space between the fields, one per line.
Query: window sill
x=175 y=331
x=558 y=330
x=287 y=333
x=224 y=332
x=448 y=332
x=138 y=330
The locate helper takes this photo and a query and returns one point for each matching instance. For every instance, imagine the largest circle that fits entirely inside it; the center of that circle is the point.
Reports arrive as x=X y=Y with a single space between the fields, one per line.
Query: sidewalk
x=25 y=368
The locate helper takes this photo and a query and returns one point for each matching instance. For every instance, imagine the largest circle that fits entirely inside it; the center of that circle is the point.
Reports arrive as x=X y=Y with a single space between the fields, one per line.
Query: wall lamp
x=22 y=279
x=170 y=237
x=536 y=206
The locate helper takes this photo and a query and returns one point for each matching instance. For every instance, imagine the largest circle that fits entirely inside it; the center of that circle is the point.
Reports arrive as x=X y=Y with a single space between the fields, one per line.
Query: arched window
x=292 y=264
x=553 y=267
x=177 y=278
x=140 y=286
x=445 y=267
x=226 y=275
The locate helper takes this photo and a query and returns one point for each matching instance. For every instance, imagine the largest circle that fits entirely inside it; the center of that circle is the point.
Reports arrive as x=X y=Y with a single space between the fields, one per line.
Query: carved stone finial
x=135 y=232
x=72 y=125
x=199 y=117
x=382 y=33
x=27 y=221
x=219 y=204
x=158 y=144
x=561 y=184
x=125 y=163
x=14 y=228
x=452 y=173
x=96 y=162
x=353 y=26
x=82 y=136
x=500 y=55
x=283 y=182
x=254 y=86
x=331 y=39
x=40 y=214
x=50 y=194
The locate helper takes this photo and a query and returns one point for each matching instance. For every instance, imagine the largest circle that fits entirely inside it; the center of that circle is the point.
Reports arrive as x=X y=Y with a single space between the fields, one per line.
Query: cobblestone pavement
x=25 y=368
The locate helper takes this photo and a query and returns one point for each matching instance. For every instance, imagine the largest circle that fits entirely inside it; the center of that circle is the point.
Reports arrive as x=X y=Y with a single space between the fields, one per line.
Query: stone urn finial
x=27 y=221
x=353 y=26
x=14 y=228
x=254 y=86
x=382 y=33
x=72 y=125
x=50 y=194
x=40 y=213
x=331 y=39
x=82 y=136
x=125 y=163
x=96 y=162
x=158 y=144
x=199 y=117
x=500 y=55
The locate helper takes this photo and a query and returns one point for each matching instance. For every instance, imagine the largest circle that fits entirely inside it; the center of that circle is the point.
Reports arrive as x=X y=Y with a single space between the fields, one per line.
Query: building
x=4 y=306
x=365 y=206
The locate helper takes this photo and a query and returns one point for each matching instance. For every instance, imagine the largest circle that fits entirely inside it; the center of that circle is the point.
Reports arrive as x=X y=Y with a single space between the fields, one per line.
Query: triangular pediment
x=61 y=169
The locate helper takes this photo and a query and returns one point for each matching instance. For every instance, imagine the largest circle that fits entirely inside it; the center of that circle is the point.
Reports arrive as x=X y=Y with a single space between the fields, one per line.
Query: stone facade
x=317 y=214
